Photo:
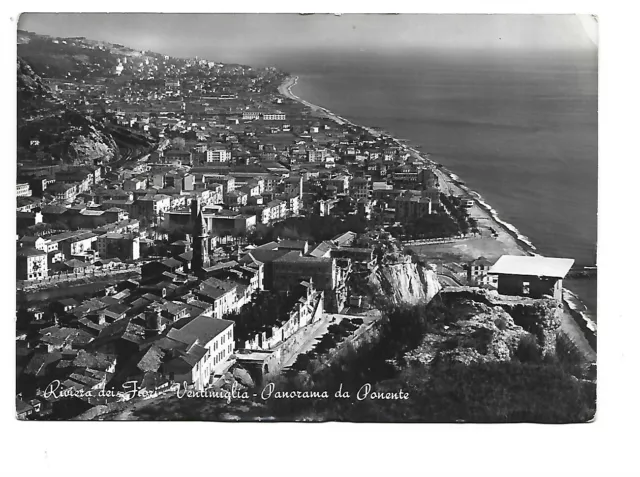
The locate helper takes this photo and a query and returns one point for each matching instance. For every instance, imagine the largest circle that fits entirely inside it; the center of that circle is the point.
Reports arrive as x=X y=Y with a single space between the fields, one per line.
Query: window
x=525 y=288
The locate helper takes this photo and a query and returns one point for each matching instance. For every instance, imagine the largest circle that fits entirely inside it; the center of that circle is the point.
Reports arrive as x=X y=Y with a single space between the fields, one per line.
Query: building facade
x=31 y=264
x=218 y=155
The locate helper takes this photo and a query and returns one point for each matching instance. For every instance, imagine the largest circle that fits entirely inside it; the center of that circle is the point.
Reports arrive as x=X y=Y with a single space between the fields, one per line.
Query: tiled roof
x=205 y=329
x=29 y=252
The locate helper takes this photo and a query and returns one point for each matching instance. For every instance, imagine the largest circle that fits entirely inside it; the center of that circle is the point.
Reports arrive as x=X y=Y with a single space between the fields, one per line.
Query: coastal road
x=443 y=181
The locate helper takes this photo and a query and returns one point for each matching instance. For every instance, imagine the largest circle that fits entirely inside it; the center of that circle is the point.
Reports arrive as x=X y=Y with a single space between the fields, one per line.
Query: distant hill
x=69 y=58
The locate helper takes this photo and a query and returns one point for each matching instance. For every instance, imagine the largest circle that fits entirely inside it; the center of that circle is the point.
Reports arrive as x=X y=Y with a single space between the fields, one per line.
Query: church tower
x=200 y=258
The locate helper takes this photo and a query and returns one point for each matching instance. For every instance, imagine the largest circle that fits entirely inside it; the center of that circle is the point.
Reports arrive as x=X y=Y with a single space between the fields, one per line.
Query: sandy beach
x=496 y=237
x=507 y=241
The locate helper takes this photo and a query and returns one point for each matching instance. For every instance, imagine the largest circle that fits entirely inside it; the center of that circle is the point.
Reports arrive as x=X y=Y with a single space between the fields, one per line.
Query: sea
x=520 y=128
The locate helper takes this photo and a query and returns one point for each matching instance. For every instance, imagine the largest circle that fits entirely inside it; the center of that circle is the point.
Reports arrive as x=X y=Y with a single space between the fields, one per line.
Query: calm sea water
x=520 y=128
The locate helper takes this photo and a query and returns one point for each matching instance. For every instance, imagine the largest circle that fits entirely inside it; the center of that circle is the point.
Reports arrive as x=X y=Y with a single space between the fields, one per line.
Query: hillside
x=62 y=134
x=73 y=58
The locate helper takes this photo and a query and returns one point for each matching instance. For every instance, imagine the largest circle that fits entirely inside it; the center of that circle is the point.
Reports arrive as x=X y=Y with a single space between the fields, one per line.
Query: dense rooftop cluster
x=290 y=199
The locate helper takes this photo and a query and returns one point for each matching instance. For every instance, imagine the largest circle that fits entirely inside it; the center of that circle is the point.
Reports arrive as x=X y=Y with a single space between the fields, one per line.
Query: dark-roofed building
x=23 y=409
x=143 y=368
x=292 y=268
x=156 y=269
x=55 y=338
x=115 y=312
x=174 y=310
x=184 y=157
x=265 y=257
x=74 y=243
x=63 y=306
x=197 y=307
x=52 y=214
x=95 y=360
x=121 y=338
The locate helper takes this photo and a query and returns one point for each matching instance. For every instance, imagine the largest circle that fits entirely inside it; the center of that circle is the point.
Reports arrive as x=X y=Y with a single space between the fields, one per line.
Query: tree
x=178 y=143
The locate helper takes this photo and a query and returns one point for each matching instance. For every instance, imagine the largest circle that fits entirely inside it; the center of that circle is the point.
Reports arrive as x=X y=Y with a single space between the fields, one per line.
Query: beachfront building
x=532 y=277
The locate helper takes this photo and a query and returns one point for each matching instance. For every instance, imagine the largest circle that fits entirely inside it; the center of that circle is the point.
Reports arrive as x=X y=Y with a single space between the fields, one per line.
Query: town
x=183 y=221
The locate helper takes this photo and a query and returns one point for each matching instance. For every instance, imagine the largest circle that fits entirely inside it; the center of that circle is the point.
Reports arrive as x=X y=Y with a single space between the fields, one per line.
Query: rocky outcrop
x=92 y=145
x=540 y=317
x=470 y=325
x=404 y=283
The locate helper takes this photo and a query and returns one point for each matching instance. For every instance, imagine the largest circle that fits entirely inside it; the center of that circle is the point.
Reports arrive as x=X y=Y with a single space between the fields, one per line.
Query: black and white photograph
x=299 y=239
x=220 y=223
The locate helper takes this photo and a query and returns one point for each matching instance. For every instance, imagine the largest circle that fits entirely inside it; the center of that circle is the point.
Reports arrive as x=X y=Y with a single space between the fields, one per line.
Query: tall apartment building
x=218 y=155
x=412 y=206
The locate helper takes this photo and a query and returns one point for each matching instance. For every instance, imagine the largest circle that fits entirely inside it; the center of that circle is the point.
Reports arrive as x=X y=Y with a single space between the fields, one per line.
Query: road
x=329 y=319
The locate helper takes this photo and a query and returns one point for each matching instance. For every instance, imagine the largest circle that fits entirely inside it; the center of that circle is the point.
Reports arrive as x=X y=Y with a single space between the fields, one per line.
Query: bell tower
x=200 y=258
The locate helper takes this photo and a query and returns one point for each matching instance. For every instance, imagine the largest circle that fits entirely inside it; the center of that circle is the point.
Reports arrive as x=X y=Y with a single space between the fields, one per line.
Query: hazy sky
x=250 y=37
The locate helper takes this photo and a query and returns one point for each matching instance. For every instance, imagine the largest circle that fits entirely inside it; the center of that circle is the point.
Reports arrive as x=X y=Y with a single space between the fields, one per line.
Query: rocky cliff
x=404 y=283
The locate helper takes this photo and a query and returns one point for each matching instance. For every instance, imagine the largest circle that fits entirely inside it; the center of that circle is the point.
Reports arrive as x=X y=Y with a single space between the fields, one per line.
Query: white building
x=214 y=342
x=274 y=117
x=218 y=155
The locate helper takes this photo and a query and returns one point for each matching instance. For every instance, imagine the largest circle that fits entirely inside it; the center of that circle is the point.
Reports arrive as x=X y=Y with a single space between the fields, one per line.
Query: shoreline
x=508 y=234
x=450 y=179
